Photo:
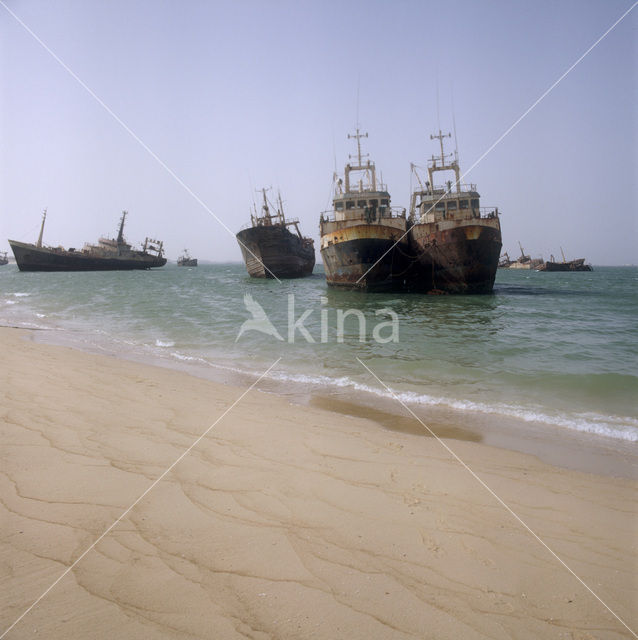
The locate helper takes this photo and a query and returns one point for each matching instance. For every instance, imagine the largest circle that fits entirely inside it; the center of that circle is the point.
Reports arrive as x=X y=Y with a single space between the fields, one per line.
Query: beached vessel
x=505 y=261
x=271 y=250
x=566 y=265
x=107 y=255
x=186 y=261
x=456 y=243
x=524 y=261
x=364 y=244
x=3 y=258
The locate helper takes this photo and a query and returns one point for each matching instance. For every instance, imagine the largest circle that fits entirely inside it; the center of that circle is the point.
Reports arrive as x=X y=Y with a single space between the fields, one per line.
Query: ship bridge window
x=464 y=204
x=374 y=203
x=361 y=203
x=385 y=202
x=339 y=206
x=475 y=203
x=451 y=205
x=350 y=204
x=440 y=205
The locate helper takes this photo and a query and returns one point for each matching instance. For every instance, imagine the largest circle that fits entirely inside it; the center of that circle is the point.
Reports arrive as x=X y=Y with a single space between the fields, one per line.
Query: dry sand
x=284 y=521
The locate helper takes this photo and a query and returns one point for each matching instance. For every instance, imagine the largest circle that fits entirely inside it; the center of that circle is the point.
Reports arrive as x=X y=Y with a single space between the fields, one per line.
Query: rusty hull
x=30 y=257
x=455 y=256
x=285 y=254
x=369 y=257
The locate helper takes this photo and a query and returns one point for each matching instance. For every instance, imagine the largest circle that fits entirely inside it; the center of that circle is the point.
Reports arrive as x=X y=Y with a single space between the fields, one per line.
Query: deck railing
x=442 y=189
x=381 y=213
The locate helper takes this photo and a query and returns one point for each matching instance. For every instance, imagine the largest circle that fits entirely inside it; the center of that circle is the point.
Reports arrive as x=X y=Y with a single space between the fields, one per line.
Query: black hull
x=461 y=260
x=273 y=251
x=367 y=264
x=565 y=266
x=31 y=258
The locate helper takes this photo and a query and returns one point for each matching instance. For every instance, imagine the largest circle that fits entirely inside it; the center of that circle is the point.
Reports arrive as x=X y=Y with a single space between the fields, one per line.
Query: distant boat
x=504 y=261
x=3 y=259
x=107 y=255
x=522 y=262
x=271 y=250
x=186 y=261
x=565 y=265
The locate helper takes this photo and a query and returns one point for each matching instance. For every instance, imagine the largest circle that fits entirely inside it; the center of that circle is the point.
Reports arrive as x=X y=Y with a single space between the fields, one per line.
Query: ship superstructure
x=456 y=243
x=363 y=239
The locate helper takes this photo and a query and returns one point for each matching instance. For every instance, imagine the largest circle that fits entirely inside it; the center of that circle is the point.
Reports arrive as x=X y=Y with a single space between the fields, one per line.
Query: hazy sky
x=233 y=96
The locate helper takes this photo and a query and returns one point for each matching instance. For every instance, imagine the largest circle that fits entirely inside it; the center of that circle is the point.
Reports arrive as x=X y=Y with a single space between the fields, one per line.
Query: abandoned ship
x=566 y=265
x=107 y=255
x=271 y=250
x=185 y=260
x=364 y=243
x=455 y=242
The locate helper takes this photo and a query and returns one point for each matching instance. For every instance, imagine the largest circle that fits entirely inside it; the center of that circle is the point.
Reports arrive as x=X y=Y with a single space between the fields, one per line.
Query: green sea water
x=554 y=349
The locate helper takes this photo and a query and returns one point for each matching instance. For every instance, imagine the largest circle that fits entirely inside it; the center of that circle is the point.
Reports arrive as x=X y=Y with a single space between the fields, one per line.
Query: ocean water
x=547 y=350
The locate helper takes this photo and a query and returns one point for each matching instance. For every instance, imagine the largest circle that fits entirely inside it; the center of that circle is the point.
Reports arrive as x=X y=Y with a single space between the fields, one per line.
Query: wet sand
x=284 y=521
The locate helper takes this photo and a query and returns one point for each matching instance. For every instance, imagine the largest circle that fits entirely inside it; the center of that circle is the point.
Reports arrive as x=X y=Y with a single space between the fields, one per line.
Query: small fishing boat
x=186 y=261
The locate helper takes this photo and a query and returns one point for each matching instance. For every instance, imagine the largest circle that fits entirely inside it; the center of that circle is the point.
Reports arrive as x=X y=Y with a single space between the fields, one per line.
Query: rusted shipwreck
x=455 y=243
x=270 y=249
x=363 y=239
x=566 y=265
x=109 y=254
x=448 y=244
x=524 y=261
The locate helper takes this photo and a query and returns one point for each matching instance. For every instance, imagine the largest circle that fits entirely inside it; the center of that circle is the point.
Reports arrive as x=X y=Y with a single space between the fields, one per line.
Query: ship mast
x=368 y=167
x=452 y=166
x=281 y=209
x=44 y=217
x=266 y=211
x=120 y=235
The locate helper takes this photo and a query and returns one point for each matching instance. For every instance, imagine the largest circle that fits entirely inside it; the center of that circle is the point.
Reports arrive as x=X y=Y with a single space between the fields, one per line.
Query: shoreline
x=284 y=522
x=555 y=445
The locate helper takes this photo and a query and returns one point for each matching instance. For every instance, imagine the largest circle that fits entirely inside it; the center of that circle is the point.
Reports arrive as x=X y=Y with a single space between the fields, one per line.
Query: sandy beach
x=283 y=521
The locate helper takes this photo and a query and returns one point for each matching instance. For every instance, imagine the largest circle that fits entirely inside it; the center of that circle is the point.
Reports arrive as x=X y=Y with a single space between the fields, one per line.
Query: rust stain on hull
x=462 y=258
x=275 y=250
x=367 y=257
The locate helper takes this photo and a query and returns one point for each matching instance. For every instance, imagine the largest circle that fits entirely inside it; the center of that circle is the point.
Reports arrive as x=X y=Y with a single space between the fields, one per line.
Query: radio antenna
x=456 y=143
x=438 y=115
x=358 y=84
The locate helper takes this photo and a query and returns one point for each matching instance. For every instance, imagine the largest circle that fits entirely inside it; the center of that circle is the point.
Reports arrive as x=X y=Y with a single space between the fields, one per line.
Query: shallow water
x=558 y=349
